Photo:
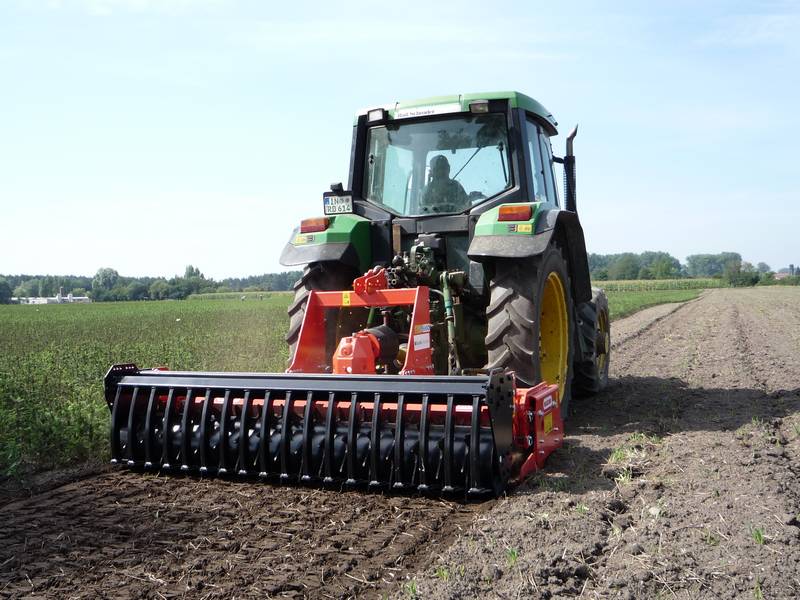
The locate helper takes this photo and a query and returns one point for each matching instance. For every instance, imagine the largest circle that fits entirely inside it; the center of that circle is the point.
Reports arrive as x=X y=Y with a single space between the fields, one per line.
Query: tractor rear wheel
x=594 y=333
x=321 y=277
x=530 y=321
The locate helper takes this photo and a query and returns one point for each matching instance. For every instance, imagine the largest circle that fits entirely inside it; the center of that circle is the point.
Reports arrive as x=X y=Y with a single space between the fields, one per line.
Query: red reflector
x=514 y=212
x=312 y=225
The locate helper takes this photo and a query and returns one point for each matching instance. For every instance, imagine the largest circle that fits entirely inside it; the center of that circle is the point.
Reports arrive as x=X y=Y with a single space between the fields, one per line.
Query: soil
x=679 y=481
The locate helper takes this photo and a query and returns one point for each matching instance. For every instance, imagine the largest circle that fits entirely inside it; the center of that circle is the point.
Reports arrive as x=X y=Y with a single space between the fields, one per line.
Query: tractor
x=443 y=322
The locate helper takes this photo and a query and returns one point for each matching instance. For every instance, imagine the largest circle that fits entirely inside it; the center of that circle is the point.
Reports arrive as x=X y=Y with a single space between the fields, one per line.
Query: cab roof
x=460 y=103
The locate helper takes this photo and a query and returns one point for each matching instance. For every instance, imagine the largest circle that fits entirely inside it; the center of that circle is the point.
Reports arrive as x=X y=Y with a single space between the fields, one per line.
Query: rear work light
x=312 y=225
x=515 y=212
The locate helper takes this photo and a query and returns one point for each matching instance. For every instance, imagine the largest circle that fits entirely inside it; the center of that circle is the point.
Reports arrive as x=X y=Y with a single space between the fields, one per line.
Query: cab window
x=548 y=163
x=537 y=171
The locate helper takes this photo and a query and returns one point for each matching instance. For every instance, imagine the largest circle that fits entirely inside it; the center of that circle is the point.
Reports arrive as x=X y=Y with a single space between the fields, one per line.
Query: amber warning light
x=312 y=225
x=515 y=212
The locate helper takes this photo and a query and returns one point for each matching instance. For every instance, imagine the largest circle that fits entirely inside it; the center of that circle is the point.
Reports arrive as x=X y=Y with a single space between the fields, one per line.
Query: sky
x=145 y=135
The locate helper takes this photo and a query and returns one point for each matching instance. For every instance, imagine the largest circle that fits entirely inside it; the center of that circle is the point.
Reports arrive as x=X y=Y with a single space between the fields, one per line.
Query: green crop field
x=53 y=359
x=622 y=304
x=646 y=285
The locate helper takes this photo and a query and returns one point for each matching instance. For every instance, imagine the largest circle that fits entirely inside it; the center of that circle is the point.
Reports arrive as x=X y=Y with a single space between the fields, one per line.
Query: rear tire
x=594 y=338
x=530 y=321
x=321 y=277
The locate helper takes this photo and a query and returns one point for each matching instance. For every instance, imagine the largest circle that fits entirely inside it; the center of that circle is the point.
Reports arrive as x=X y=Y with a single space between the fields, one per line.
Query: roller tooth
x=115 y=427
x=286 y=436
x=374 y=442
x=423 y=445
x=205 y=417
x=352 y=440
x=244 y=440
x=130 y=446
x=327 y=457
x=186 y=440
x=223 y=434
x=399 y=444
x=167 y=430
x=308 y=429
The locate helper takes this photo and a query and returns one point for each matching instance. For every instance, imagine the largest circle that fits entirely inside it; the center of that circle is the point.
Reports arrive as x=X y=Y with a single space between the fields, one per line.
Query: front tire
x=530 y=321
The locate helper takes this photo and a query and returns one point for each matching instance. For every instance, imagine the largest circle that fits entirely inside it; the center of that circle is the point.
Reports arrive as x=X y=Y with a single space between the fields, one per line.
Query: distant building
x=783 y=275
x=57 y=299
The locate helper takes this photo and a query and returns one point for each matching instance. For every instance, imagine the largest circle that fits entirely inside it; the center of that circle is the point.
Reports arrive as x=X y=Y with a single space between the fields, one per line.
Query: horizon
x=683 y=263
x=145 y=136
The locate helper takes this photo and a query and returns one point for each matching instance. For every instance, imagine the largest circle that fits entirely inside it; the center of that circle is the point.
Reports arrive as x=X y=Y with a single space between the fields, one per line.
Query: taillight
x=312 y=225
x=515 y=212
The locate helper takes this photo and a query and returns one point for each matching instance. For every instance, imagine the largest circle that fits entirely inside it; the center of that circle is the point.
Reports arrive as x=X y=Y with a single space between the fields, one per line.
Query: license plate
x=336 y=205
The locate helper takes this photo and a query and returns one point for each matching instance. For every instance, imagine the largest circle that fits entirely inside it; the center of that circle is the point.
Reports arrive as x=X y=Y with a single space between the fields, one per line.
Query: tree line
x=662 y=265
x=108 y=285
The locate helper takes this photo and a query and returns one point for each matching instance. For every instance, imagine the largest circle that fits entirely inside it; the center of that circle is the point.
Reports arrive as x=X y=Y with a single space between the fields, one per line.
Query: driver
x=443 y=194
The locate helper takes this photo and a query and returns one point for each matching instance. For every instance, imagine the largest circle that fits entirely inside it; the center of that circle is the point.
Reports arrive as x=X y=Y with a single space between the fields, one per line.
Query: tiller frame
x=469 y=434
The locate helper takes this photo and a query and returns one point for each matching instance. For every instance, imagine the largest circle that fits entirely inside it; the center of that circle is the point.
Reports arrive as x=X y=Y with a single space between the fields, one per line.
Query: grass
x=53 y=358
x=52 y=410
x=622 y=304
x=512 y=555
x=758 y=536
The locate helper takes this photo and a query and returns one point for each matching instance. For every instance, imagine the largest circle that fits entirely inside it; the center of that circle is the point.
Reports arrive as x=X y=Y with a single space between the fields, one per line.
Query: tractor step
x=437 y=434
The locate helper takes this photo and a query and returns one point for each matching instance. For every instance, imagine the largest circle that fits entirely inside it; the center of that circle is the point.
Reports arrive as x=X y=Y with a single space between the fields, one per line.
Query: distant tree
x=159 y=289
x=739 y=274
x=192 y=272
x=713 y=265
x=626 y=267
x=105 y=279
x=79 y=291
x=27 y=289
x=645 y=273
x=665 y=267
x=5 y=291
x=600 y=275
x=763 y=267
x=767 y=278
x=137 y=291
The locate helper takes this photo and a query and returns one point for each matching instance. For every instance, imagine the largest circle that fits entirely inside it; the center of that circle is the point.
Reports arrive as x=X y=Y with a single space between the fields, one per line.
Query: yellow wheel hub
x=554 y=332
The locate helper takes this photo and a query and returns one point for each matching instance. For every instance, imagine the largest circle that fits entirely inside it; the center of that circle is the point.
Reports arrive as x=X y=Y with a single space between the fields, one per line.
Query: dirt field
x=679 y=481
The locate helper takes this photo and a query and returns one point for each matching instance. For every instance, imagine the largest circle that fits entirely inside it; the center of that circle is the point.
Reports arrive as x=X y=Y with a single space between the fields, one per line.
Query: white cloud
x=755 y=30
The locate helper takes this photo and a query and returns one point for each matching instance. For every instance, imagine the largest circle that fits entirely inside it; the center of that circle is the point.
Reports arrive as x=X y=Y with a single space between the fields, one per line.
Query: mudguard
x=548 y=225
x=346 y=240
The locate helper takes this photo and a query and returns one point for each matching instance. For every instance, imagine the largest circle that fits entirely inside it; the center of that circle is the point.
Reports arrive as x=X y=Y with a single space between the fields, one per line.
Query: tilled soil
x=127 y=535
x=679 y=481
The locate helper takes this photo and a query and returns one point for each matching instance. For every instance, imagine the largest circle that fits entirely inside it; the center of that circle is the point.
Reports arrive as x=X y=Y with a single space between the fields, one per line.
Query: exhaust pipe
x=569 y=172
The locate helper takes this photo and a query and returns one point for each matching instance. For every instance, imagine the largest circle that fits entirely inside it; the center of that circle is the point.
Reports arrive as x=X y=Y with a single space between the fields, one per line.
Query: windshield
x=437 y=166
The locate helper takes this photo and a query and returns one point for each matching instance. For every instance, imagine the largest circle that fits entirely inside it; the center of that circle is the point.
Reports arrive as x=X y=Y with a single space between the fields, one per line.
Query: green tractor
x=443 y=322
x=464 y=185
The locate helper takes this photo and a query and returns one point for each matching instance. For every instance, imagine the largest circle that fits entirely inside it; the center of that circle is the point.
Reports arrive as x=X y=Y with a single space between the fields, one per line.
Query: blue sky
x=145 y=135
